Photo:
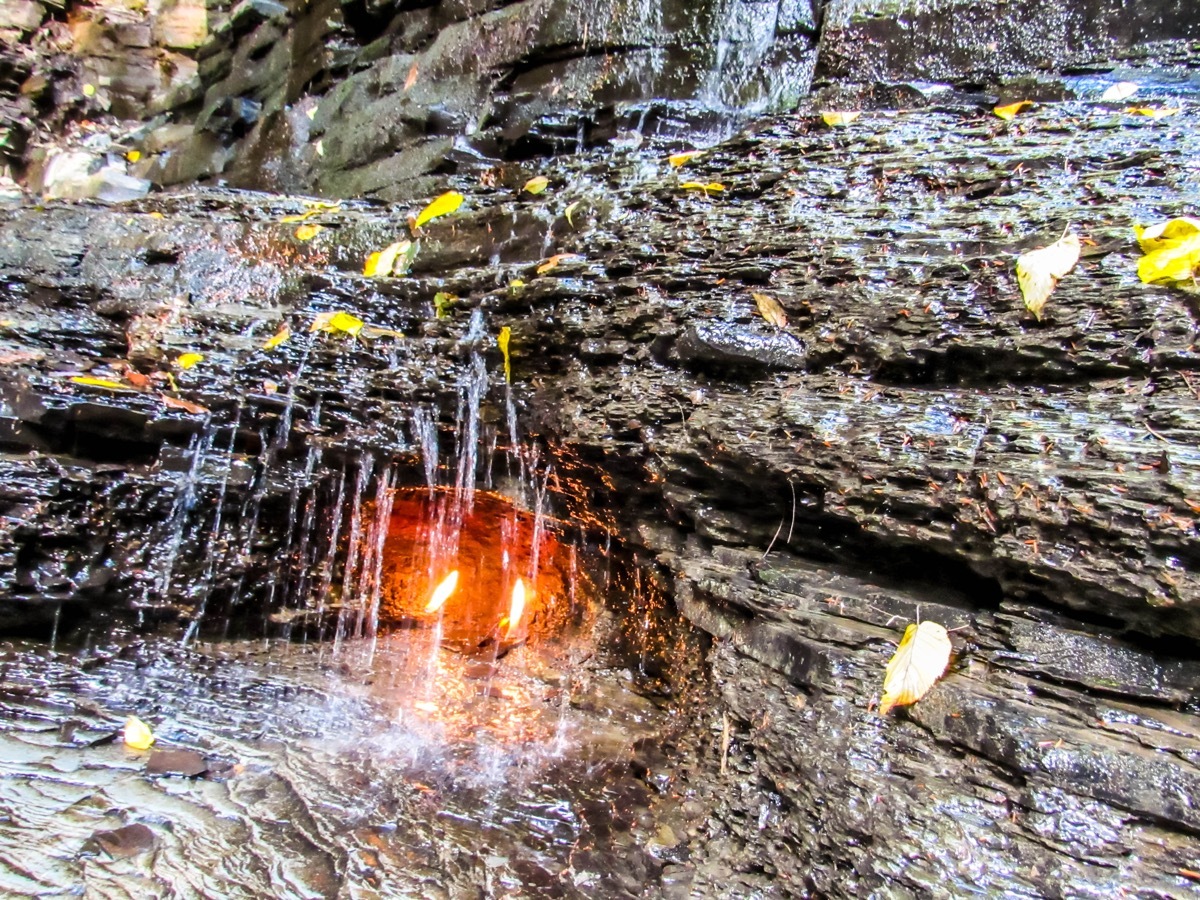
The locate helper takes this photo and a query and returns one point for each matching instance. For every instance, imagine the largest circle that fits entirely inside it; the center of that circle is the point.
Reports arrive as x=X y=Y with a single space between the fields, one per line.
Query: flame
x=442 y=593
x=516 y=608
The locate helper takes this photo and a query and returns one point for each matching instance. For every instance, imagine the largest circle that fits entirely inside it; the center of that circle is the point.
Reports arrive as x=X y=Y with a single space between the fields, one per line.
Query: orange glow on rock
x=493 y=548
x=442 y=593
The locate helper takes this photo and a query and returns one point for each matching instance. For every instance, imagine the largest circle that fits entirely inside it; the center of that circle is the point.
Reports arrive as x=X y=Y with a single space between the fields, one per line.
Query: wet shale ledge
x=913 y=444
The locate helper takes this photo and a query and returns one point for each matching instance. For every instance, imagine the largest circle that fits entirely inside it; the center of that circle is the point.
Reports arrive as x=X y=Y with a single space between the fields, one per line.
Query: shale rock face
x=382 y=99
x=913 y=445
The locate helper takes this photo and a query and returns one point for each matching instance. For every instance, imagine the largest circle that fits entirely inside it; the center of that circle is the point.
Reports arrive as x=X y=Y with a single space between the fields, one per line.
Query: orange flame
x=442 y=593
x=516 y=608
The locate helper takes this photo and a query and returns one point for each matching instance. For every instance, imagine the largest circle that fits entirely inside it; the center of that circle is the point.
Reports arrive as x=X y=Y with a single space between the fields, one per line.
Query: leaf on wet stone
x=1152 y=112
x=137 y=734
x=536 y=185
x=185 y=361
x=709 y=187
x=338 y=322
x=681 y=159
x=553 y=262
x=568 y=212
x=1172 y=252
x=839 y=118
x=440 y=206
x=1009 y=111
x=413 y=73
x=393 y=259
x=1039 y=271
x=133 y=155
x=278 y=338
x=442 y=301
x=126 y=841
x=308 y=231
x=502 y=341
x=186 y=406
x=185 y=763
x=1122 y=90
x=771 y=310
x=919 y=661
x=106 y=383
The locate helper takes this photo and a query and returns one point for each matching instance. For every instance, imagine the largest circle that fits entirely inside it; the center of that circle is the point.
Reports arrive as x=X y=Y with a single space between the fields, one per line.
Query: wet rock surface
x=929 y=451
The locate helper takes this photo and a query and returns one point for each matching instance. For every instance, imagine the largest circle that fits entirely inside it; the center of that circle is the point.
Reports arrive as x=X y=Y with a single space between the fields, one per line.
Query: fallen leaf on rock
x=1038 y=271
x=536 y=185
x=439 y=206
x=308 y=232
x=1009 y=110
x=1122 y=90
x=918 y=662
x=702 y=186
x=133 y=155
x=552 y=262
x=569 y=210
x=89 y=90
x=187 y=763
x=770 y=309
x=278 y=338
x=1152 y=112
x=412 y=76
x=137 y=734
x=126 y=841
x=502 y=340
x=392 y=259
x=137 y=379
x=187 y=406
x=681 y=159
x=839 y=119
x=1172 y=251
x=106 y=383
x=516 y=286
x=187 y=360
x=338 y=322
x=442 y=302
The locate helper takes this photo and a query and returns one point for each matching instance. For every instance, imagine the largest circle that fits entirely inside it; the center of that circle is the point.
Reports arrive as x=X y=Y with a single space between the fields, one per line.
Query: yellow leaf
x=106 y=383
x=701 y=186
x=536 y=185
x=918 y=662
x=1038 y=271
x=1153 y=112
x=770 y=309
x=439 y=206
x=516 y=286
x=89 y=90
x=441 y=303
x=157 y=215
x=1010 y=110
x=383 y=262
x=502 y=340
x=133 y=155
x=552 y=262
x=337 y=323
x=569 y=210
x=137 y=734
x=1166 y=234
x=680 y=159
x=1172 y=251
x=318 y=205
x=839 y=119
x=288 y=220
x=187 y=360
x=280 y=336
x=1122 y=90
x=307 y=232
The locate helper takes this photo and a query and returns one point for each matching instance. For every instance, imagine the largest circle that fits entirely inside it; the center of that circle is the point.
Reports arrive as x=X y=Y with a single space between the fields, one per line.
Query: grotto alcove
x=236 y=471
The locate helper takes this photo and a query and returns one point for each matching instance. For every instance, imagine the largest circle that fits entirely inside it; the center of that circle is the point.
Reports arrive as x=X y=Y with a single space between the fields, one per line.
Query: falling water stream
x=357 y=741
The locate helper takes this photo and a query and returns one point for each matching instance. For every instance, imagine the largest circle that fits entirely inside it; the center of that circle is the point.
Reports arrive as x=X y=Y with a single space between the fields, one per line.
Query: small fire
x=516 y=608
x=442 y=593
